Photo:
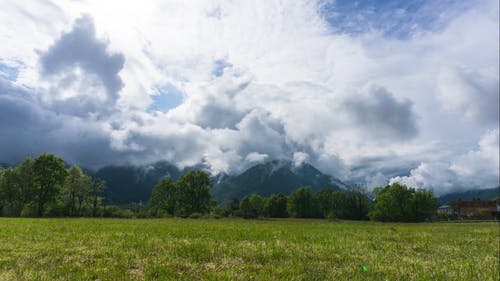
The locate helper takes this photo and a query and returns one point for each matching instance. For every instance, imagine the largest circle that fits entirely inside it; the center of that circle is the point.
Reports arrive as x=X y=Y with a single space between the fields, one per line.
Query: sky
x=372 y=92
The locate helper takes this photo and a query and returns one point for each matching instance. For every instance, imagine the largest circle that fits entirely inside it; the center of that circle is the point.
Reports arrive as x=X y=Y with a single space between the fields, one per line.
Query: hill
x=126 y=184
x=273 y=177
x=484 y=194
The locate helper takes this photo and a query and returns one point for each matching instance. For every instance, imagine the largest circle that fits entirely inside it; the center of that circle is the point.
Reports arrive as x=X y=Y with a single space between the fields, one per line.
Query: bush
x=29 y=210
x=7 y=211
x=54 y=210
x=143 y=214
x=247 y=210
x=238 y=213
x=196 y=215
x=218 y=211
x=113 y=211
x=216 y=216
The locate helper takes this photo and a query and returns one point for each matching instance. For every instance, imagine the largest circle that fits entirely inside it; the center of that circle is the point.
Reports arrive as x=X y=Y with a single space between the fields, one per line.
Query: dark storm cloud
x=39 y=120
x=28 y=129
x=380 y=113
x=79 y=49
x=216 y=116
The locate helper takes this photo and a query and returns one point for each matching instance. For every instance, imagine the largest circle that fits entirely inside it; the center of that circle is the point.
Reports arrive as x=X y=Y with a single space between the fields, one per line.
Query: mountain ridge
x=483 y=194
x=277 y=176
x=133 y=183
x=130 y=183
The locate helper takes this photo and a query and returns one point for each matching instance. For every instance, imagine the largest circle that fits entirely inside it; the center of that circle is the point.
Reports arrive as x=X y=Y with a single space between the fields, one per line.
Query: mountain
x=483 y=194
x=273 y=177
x=126 y=184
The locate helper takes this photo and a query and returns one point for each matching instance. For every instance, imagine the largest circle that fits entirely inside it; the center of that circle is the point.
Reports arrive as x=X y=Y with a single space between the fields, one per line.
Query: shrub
x=113 y=211
x=195 y=215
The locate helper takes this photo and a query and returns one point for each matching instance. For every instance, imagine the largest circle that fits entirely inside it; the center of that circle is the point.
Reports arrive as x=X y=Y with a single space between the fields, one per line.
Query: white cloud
x=255 y=157
x=299 y=158
x=82 y=74
x=473 y=96
x=478 y=168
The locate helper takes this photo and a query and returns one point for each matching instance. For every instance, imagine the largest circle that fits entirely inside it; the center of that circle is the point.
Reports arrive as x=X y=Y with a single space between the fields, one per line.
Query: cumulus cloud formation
x=28 y=129
x=256 y=81
x=85 y=76
x=474 y=169
x=470 y=94
x=383 y=115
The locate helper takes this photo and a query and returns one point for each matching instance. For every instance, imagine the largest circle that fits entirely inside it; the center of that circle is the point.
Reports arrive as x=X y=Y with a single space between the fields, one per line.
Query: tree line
x=190 y=197
x=352 y=204
x=43 y=186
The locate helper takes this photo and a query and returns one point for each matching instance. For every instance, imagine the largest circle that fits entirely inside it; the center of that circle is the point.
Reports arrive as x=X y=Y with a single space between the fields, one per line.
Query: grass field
x=231 y=249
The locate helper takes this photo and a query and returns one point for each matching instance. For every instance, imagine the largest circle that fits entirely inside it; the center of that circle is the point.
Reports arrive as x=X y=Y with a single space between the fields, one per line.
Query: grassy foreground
x=227 y=249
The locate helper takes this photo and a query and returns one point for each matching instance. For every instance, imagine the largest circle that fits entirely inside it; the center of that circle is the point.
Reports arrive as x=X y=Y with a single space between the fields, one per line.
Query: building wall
x=478 y=208
x=447 y=211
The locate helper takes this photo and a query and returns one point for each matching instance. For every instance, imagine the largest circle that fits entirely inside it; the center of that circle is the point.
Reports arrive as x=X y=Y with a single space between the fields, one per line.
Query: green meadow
x=237 y=249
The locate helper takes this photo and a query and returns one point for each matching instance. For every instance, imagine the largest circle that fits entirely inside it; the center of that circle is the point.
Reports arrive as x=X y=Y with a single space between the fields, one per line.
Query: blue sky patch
x=8 y=72
x=219 y=66
x=166 y=98
x=398 y=19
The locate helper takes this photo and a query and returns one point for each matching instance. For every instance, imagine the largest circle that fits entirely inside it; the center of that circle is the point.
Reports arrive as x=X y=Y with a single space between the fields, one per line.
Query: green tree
x=76 y=190
x=247 y=210
x=2 y=171
x=98 y=187
x=352 y=203
x=17 y=188
x=194 y=193
x=83 y=196
x=356 y=205
x=424 y=205
x=300 y=203
x=10 y=191
x=164 y=198
x=324 y=203
x=234 y=204
x=276 y=206
x=230 y=208
x=257 y=203
x=339 y=209
x=49 y=173
x=397 y=202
